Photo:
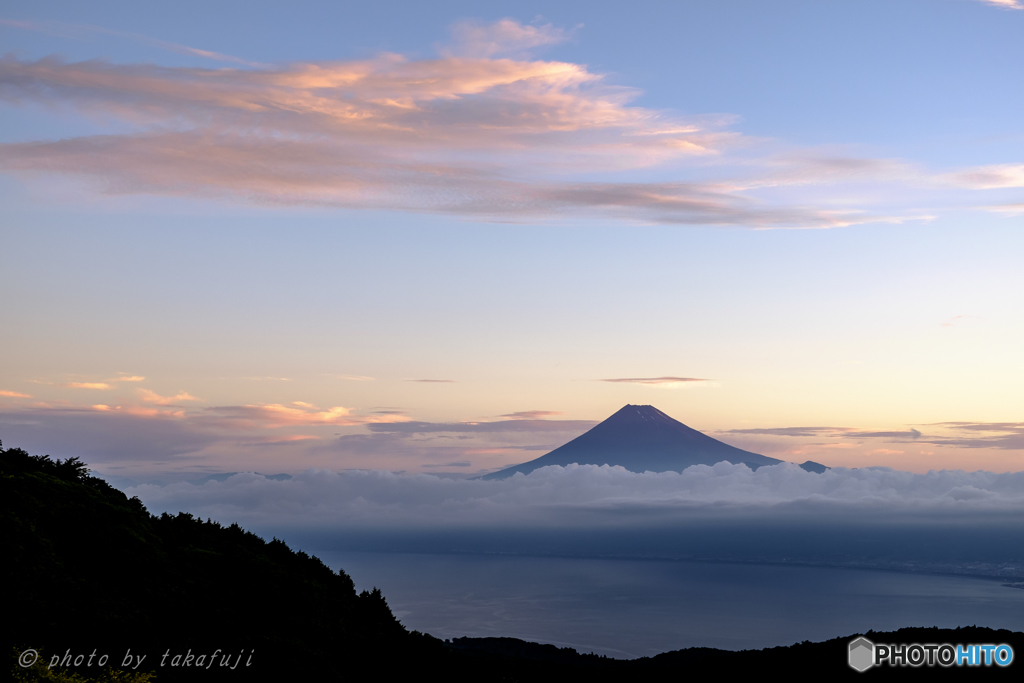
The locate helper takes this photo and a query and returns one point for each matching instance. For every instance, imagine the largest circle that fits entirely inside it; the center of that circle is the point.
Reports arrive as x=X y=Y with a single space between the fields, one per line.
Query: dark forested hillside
x=87 y=568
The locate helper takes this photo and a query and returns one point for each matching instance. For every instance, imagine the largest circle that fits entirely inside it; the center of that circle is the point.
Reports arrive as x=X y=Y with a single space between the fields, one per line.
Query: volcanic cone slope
x=641 y=439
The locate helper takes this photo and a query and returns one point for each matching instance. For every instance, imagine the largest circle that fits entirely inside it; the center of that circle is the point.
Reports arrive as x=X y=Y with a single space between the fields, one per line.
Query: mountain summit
x=641 y=438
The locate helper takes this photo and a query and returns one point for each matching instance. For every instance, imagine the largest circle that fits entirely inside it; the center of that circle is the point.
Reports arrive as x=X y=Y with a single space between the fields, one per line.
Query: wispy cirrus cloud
x=297 y=413
x=514 y=425
x=659 y=381
x=1000 y=435
x=484 y=130
x=912 y=434
x=293 y=440
x=370 y=133
x=432 y=381
x=104 y=384
x=532 y=414
x=957 y=318
x=847 y=432
x=997 y=176
x=789 y=431
x=1005 y=4
x=14 y=394
x=506 y=37
x=486 y=450
x=997 y=435
x=1009 y=210
x=84 y=31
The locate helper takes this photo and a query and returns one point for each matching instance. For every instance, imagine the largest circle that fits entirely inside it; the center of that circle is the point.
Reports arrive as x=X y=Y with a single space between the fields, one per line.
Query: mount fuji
x=642 y=438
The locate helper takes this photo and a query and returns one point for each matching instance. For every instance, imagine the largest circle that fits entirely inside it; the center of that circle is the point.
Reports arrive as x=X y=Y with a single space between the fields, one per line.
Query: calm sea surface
x=632 y=608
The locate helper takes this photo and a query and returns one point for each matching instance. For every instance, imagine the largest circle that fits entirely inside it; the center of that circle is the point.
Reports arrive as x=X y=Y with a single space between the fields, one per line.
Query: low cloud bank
x=592 y=497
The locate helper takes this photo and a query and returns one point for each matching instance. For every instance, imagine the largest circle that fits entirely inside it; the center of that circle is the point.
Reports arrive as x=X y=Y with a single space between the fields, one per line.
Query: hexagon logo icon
x=862 y=654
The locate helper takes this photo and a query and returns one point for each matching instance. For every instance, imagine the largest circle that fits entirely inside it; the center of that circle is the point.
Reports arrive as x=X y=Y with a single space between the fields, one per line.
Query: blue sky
x=240 y=231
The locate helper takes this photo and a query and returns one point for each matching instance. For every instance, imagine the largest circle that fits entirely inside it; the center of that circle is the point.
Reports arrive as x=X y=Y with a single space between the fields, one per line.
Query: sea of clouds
x=590 y=496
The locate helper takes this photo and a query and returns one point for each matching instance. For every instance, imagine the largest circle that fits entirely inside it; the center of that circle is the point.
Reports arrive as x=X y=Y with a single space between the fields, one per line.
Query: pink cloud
x=1009 y=210
x=297 y=413
x=139 y=411
x=996 y=176
x=484 y=131
x=1005 y=4
x=504 y=37
x=155 y=398
x=532 y=414
x=952 y=321
x=229 y=420
x=14 y=394
x=85 y=31
x=87 y=385
x=284 y=440
x=659 y=381
x=467 y=133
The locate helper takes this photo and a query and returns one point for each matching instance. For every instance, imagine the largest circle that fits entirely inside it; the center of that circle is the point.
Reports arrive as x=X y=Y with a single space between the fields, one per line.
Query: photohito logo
x=863 y=654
